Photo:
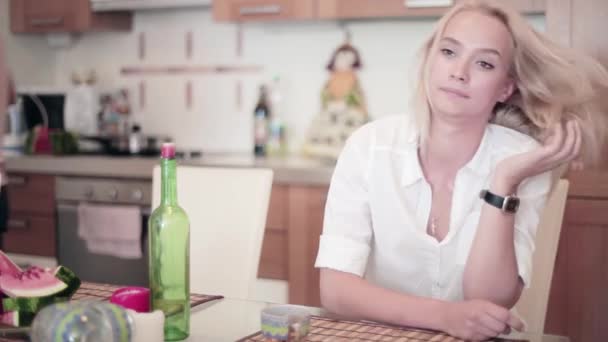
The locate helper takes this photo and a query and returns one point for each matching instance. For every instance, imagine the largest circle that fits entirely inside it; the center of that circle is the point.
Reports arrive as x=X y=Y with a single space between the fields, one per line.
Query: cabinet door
x=273 y=260
x=342 y=9
x=31 y=194
x=34 y=235
x=528 y=6
x=41 y=16
x=525 y=6
x=37 y=16
x=578 y=301
x=263 y=10
x=305 y=224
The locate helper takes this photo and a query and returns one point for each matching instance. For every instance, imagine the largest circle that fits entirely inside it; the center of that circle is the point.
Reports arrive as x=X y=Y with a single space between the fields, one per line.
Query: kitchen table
x=229 y=320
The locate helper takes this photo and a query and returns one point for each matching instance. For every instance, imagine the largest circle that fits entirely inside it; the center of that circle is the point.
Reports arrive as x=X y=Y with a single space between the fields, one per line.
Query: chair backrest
x=532 y=305
x=227 y=209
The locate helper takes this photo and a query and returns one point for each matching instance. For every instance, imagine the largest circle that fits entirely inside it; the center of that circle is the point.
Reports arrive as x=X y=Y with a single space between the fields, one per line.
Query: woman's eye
x=485 y=65
x=447 y=52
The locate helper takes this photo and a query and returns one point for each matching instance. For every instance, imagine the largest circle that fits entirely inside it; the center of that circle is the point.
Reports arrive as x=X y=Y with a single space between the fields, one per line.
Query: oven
x=72 y=250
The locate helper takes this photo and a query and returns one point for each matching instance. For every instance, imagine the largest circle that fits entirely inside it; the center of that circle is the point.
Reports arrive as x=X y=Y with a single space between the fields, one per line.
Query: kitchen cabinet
x=578 y=302
x=49 y=16
x=273 y=259
x=264 y=10
x=31 y=226
x=267 y=10
x=291 y=241
x=347 y=9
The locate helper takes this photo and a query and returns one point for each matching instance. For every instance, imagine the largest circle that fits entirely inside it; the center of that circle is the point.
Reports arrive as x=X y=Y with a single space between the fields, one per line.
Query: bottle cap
x=167 y=151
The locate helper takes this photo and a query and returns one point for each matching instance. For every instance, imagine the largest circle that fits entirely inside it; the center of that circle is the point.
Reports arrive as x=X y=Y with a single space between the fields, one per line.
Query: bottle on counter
x=261 y=117
x=169 y=240
x=135 y=139
x=277 y=141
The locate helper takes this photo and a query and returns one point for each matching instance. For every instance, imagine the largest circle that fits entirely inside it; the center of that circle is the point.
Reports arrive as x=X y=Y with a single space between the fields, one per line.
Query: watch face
x=512 y=204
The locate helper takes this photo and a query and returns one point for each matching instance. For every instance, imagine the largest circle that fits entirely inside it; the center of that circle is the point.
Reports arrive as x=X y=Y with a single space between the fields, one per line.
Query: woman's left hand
x=561 y=146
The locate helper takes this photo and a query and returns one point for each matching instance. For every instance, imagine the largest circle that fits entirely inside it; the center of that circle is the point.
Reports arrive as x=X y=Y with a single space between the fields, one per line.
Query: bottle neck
x=168 y=170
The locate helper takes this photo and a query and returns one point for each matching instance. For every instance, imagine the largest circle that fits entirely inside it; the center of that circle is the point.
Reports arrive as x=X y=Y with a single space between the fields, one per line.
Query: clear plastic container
x=82 y=321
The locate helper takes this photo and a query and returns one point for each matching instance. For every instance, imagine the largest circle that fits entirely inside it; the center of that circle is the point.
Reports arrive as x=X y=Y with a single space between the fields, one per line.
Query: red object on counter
x=42 y=142
x=133 y=297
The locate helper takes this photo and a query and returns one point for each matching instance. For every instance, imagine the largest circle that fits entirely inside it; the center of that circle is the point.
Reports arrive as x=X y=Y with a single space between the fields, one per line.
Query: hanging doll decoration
x=343 y=108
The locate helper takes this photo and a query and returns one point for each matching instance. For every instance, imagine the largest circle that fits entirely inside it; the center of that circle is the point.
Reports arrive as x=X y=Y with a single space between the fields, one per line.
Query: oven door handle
x=70 y=206
x=65 y=206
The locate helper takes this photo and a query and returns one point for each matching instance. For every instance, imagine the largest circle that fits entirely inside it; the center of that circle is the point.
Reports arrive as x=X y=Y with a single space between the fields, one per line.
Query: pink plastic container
x=133 y=297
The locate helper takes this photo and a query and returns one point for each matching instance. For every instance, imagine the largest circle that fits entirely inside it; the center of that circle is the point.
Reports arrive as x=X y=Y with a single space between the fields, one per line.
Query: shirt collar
x=412 y=171
x=480 y=164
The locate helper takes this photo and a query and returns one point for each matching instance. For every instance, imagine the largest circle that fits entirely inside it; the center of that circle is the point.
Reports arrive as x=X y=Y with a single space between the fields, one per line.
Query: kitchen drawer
x=46 y=16
x=277 y=208
x=348 y=9
x=273 y=260
x=31 y=235
x=263 y=10
x=30 y=193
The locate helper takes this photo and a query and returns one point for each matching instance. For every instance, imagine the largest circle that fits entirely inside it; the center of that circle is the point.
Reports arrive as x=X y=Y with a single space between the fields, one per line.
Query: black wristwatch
x=508 y=204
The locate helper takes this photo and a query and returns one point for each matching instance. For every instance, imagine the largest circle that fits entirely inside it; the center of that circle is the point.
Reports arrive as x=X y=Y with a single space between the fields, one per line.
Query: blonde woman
x=431 y=217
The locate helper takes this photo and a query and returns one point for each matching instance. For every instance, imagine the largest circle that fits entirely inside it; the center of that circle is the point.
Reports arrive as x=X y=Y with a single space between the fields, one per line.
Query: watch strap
x=507 y=204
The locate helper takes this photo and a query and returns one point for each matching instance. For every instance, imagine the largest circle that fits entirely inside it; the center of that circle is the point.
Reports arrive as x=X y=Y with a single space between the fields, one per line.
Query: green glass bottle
x=169 y=238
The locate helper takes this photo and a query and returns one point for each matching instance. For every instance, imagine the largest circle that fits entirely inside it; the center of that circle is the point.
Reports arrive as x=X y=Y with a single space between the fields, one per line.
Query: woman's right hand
x=478 y=320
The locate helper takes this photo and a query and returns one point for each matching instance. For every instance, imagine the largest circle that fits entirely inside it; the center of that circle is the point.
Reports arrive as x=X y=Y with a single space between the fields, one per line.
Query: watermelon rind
x=35 y=304
x=31 y=304
x=68 y=277
x=17 y=318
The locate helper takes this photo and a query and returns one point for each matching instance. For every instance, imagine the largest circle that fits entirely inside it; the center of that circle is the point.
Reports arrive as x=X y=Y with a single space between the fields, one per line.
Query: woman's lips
x=456 y=92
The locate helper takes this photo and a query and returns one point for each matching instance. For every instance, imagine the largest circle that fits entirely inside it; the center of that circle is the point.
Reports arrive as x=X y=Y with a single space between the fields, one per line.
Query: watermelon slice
x=35 y=303
x=34 y=282
x=31 y=290
x=7 y=266
x=17 y=319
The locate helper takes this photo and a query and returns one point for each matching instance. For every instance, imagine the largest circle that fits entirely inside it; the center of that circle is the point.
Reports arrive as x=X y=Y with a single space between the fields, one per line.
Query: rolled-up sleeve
x=533 y=197
x=347 y=230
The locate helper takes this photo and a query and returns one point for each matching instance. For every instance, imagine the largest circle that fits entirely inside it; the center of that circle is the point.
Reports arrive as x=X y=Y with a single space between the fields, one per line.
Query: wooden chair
x=532 y=306
x=227 y=209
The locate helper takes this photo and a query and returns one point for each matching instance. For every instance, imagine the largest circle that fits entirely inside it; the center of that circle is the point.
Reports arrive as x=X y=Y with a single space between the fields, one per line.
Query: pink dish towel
x=113 y=230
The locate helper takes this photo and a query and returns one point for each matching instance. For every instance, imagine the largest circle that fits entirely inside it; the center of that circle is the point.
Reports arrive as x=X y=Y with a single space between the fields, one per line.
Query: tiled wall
x=31 y=61
x=218 y=114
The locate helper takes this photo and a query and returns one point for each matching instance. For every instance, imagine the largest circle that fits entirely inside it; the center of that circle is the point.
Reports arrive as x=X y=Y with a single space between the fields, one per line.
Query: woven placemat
x=103 y=292
x=326 y=329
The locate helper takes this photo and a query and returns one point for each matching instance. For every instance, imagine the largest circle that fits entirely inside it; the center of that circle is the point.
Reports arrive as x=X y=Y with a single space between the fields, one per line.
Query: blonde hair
x=553 y=84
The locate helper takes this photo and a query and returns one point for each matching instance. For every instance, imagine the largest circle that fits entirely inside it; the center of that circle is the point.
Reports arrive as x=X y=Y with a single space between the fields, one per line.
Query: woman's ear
x=507 y=90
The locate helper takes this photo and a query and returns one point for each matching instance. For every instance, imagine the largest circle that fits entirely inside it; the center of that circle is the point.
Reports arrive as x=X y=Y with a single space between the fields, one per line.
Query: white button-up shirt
x=379 y=202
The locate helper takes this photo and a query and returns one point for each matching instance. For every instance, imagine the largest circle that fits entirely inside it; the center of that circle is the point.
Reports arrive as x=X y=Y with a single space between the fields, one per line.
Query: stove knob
x=113 y=194
x=137 y=195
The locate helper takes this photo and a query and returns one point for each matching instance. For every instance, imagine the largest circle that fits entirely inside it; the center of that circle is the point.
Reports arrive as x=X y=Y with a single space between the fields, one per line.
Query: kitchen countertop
x=292 y=170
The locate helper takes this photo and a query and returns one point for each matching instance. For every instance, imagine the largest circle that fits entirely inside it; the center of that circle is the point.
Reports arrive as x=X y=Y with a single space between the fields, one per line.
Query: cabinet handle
x=18 y=224
x=17 y=180
x=260 y=10
x=427 y=3
x=46 y=21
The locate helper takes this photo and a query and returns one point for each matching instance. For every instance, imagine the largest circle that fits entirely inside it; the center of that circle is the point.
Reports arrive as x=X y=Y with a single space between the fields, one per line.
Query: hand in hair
x=478 y=320
x=562 y=145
